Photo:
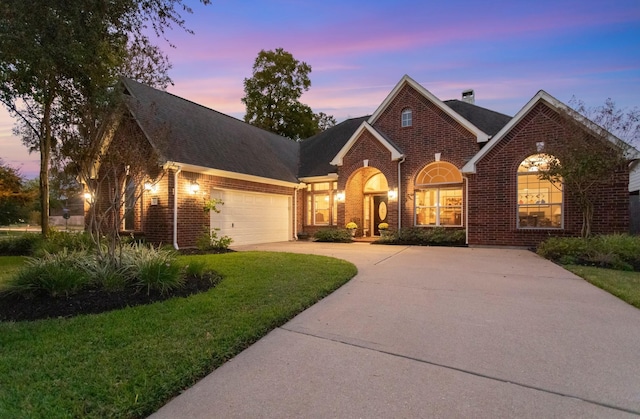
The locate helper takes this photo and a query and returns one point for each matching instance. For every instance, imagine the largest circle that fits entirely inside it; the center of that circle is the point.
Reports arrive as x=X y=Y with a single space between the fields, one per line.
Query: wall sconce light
x=88 y=196
x=340 y=196
x=194 y=188
x=393 y=194
x=151 y=187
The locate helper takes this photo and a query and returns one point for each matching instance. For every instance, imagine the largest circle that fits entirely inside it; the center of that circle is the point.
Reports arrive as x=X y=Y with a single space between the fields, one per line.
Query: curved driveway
x=436 y=332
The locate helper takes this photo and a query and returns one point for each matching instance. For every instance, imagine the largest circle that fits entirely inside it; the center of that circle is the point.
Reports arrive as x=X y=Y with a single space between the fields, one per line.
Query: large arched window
x=438 y=196
x=539 y=201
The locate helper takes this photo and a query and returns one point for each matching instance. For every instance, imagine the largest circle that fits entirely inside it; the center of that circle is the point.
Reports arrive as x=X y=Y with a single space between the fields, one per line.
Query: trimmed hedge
x=425 y=236
x=615 y=251
x=334 y=235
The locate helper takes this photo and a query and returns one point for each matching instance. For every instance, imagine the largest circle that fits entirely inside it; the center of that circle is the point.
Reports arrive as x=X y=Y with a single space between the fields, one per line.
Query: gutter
x=465 y=202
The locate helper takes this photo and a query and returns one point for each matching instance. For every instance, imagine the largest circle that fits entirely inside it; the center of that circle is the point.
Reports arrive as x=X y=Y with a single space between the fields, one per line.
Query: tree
x=14 y=197
x=272 y=96
x=596 y=144
x=57 y=56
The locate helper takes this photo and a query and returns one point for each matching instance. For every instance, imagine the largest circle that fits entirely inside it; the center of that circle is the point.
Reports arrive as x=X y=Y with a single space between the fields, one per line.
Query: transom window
x=438 y=196
x=322 y=205
x=407 y=118
x=539 y=201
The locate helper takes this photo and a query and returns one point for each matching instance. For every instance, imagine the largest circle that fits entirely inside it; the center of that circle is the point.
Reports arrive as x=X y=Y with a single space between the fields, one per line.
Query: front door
x=379 y=212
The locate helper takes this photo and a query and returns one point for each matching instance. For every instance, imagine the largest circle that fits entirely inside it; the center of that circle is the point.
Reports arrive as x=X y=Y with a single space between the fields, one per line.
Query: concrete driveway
x=428 y=332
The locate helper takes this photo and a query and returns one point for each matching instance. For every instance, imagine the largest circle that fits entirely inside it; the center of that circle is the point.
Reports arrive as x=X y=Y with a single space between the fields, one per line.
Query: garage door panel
x=250 y=218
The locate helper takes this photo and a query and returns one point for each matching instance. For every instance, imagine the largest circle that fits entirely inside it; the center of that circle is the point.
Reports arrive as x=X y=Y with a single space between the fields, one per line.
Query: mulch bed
x=93 y=301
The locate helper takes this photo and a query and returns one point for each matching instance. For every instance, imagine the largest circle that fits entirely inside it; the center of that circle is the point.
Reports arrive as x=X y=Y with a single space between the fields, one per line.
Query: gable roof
x=481 y=136
x=543 y=97
x=396 y=154
x=487 y=120
x=203 y=138
x=316 y=152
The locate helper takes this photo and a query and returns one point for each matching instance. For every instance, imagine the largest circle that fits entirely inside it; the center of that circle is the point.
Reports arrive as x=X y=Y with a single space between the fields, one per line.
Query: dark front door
x=379 y=212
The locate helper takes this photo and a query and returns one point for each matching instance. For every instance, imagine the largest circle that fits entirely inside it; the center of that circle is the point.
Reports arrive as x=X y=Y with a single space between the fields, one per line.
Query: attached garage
x=251 y=217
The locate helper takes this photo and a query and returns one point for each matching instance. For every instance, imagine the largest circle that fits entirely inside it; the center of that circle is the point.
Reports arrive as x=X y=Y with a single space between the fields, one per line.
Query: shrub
x=53 y=274
x=21 y=245
x=334 y=235
x=420 y=236
x=152 y=268
x=616 y=251
x=209 y=240
x=59 y=240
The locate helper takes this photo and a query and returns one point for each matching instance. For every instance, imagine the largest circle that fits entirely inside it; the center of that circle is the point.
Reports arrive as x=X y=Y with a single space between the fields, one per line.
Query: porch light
x=194 y=188
x=392 y=194
x=340 y=196
x=151 y=187
x=88 y=196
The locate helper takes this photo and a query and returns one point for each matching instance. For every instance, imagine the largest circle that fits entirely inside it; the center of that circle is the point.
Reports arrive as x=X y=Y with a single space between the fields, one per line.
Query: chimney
x=469 y=96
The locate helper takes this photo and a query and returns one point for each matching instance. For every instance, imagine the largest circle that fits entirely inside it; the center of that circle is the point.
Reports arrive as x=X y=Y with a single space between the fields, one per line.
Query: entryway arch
x=367 y=200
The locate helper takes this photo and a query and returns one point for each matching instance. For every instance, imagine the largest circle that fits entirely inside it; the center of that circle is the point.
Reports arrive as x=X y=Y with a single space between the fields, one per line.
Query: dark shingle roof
x=189 y=133
x=490 y=122
x=316 y=152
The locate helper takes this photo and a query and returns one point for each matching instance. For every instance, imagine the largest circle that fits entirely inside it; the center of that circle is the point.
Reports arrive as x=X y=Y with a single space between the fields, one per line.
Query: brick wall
x=493 y=190
x=192 y=219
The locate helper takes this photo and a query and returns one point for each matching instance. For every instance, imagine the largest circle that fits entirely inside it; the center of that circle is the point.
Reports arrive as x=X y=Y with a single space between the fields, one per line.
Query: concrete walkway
x=439 y=333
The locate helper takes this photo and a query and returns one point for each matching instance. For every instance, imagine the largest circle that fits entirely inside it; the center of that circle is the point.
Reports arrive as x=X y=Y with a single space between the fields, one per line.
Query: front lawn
x=623 y=284
x=128 y=363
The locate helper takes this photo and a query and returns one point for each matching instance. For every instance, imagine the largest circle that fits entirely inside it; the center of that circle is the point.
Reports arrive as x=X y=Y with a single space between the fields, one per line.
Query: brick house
x=416 y=161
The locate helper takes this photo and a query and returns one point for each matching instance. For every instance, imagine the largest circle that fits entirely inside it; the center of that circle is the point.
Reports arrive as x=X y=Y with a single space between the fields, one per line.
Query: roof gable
x=201 y=137
x=481 y=136
x=543 y=97
x=365 y=126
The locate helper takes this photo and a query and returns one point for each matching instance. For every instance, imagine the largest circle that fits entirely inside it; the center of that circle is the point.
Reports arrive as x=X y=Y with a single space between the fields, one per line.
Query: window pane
x=406 y=118
x=539 y=201
x=321 y=208
x=324 y=186
x=309 y=210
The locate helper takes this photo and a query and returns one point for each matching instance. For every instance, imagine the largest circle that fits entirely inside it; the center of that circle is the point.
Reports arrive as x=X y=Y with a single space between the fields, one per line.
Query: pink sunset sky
x=358 y=50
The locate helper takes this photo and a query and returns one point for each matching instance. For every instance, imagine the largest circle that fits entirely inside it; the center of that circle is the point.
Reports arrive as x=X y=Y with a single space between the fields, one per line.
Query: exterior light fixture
x=392 y=194
x=88 y=196
x=151 y=187
x=340 y=196
x=194 y=188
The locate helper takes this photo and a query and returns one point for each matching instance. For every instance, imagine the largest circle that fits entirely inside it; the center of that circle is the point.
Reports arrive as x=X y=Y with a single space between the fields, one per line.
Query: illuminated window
x=407 y=118
x=438 y=196
x=539 y=201
x=321 y=204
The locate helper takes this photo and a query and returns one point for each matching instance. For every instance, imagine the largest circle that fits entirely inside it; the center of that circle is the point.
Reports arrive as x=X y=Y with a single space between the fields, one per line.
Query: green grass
x=623 y=284
x=128 y=363
x=9 y=265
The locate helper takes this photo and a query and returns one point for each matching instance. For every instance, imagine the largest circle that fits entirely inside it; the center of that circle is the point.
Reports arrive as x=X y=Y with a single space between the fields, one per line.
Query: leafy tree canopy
x=272 y=97
x=14 y=196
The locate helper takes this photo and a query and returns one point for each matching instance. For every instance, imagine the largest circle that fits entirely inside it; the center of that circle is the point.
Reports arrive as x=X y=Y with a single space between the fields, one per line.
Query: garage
x=251 y=217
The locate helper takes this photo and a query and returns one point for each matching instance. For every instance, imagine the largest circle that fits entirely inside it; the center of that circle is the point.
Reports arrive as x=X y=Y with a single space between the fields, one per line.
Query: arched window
x=539 y=201
x=407 y=117
x=438 y=196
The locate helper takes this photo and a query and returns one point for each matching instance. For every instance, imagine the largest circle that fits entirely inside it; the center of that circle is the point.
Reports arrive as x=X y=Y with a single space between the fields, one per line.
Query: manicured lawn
x=623 y=284
x=128 y=363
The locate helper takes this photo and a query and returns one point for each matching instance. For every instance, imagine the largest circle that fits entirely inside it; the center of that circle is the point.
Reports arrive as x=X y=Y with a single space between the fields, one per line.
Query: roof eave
x=365 y=126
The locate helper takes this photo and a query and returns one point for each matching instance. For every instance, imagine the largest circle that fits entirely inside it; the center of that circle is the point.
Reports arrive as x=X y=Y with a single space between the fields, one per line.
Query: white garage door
x=250 y=218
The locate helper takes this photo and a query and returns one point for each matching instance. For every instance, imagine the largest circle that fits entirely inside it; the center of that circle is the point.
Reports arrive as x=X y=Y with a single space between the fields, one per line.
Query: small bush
x=152 y=268
x=54 y=275
x=209 y=240
x=195 y=268
x=333 y=235
x=59 y=240
x=615 y=251
x=420 y=236
x=21 y=245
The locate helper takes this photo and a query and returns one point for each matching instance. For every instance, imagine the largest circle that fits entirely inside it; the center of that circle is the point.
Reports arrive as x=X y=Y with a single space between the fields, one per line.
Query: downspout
x=295 y=213
x=175 y=207
x=400 y=194
x=465 y=202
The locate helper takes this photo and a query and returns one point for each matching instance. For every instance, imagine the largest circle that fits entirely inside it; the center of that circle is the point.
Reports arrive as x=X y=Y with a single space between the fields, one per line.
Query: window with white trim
x=322 y=204
x=539 y=201
x=407 y=117
x=439 y=196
